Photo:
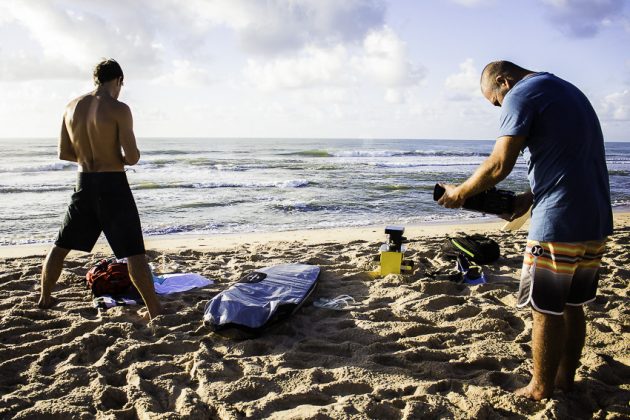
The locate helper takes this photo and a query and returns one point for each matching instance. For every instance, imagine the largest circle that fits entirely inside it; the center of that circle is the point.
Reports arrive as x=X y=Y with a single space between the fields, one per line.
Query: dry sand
x=414 y=348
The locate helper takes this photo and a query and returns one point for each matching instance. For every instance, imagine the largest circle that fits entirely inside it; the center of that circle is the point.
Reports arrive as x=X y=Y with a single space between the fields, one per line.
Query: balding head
x=498 y=77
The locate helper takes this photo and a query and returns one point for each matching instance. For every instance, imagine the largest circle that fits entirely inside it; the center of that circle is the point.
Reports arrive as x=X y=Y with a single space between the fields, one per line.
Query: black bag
x=478 y=248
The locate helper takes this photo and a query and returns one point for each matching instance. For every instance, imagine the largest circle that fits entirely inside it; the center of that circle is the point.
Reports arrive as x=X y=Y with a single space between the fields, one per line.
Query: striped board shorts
x=556 y=274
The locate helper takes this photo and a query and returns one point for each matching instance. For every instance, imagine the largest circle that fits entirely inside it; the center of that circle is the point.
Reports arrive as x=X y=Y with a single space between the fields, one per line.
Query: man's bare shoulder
x=121 y=108
x=73 y=103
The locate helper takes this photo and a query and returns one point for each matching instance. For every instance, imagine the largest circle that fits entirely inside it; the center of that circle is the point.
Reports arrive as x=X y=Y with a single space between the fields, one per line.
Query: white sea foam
x=366 y=153
x=48 y=167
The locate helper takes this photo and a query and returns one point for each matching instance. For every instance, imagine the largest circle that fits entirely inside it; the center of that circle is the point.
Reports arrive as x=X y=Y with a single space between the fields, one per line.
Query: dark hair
x=107 y=70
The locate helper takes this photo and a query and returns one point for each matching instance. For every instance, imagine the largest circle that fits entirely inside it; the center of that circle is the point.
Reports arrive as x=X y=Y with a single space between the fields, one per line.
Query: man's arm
x=126 y=137
x=65 y=150
x=492 y=171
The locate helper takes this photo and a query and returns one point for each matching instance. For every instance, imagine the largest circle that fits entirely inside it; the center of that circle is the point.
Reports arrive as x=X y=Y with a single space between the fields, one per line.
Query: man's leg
x=142 y=278
x=548 y=341
x=50 y=274
x=574 y=343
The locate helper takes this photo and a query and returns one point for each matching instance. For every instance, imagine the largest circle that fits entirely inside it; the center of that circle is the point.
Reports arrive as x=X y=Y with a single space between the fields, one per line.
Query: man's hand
x=452 y=197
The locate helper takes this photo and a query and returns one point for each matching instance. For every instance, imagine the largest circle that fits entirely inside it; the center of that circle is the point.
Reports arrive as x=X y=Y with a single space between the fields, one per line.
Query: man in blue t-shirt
x=556 y=128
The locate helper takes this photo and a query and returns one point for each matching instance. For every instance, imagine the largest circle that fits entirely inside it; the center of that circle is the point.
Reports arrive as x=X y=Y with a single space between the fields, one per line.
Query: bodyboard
x=262 y=297
x=517 y=223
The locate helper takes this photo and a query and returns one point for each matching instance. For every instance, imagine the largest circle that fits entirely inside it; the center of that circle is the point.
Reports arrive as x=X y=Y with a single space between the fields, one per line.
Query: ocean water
x=216 y=186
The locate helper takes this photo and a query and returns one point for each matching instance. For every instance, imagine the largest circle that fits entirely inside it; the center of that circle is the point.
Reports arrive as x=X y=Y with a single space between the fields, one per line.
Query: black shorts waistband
x=108 y=180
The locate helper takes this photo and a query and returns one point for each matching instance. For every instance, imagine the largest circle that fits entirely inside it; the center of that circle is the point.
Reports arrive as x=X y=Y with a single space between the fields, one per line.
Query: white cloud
x=311 y=67
x=77 y=34
x=21 y=66
x=464 y=85
x=616 y=106
x=184 y=73
x=585 y=18
x=385 y=60
x=381 y=60
x=148 y=36
x=473 y=3
x=277 y=26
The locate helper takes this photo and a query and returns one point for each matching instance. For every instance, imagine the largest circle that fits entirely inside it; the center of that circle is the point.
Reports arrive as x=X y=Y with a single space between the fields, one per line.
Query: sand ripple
x=413 y=348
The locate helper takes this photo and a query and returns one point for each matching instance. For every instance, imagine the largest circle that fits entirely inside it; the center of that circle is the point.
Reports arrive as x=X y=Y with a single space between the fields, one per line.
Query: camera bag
x=477 y=247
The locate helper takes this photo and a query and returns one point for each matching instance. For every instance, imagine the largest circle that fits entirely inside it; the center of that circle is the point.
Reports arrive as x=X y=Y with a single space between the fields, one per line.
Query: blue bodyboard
x=262 y=297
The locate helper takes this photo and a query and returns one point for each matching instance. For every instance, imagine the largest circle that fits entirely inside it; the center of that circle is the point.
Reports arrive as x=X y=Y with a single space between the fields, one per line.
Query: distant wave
x=327 y=168
x=193 y=162
x=35 y=189
x=367 y=153
x=167 y=152
x=199 y=205
x=49 y=167
x=207 y=204
x=309 y=153
x=295 y=183
x=157 y=163
x=418 y=164
x=394 y=187
x=51 y=153
x=228 y=168
x=394 y=153
x=619 y=172
x=293 y=207
x=382 y=153
x=449 y=153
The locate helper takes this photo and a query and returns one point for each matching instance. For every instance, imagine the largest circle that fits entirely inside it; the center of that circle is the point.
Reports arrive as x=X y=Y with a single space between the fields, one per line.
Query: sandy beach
x=414 y=347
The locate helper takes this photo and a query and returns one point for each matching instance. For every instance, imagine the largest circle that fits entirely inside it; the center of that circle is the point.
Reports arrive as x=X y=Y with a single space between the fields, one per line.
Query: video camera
x=493 y=201
x=392 y=253
x=396 y=238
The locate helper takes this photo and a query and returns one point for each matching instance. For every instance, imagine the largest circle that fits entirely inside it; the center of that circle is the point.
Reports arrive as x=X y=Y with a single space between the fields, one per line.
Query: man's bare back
x=95 y=128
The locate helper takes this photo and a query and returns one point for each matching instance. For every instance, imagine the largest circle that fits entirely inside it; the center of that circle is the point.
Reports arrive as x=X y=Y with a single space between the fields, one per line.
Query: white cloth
x=180 y=282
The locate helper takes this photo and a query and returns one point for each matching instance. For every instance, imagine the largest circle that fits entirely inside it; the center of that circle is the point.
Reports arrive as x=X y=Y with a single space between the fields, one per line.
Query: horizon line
x=283 y=138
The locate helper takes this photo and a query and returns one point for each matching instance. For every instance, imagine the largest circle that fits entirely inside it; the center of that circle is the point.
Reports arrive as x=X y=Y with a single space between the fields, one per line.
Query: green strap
x=461 y=248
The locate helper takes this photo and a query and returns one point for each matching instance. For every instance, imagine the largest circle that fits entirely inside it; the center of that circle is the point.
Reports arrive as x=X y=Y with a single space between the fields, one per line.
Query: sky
x=306 y=68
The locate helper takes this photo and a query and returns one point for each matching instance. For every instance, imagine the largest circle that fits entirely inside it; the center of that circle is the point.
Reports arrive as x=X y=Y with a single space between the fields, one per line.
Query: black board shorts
x=102 y=202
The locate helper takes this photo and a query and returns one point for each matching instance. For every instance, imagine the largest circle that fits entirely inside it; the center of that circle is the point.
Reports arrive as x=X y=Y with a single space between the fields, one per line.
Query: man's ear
x=504 y=81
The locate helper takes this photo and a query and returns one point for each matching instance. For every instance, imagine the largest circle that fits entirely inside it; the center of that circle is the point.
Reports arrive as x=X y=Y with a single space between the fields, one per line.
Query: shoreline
x=217 y=242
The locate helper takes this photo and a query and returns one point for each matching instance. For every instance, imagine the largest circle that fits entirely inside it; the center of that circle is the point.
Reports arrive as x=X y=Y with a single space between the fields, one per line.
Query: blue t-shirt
x=565 y=158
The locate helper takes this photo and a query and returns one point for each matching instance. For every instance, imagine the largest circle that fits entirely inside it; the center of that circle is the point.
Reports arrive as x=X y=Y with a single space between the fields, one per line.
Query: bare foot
x=532 y=392
x=564 y=383
x=155 y=311
x=46 y=302
x=146 y=314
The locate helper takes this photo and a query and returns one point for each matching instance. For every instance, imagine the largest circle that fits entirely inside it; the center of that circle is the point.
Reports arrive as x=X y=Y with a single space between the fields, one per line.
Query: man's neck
x=104 y=91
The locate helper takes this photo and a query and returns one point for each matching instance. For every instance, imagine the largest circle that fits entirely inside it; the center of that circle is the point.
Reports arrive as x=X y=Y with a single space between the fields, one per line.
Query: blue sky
x=306 y=68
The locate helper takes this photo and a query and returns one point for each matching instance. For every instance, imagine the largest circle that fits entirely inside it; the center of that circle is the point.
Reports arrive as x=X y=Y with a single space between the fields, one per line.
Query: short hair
x=107 y=70
x=502 y=68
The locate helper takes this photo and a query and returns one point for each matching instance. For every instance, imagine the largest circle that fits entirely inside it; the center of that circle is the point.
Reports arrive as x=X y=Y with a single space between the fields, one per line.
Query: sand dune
x=412 y=348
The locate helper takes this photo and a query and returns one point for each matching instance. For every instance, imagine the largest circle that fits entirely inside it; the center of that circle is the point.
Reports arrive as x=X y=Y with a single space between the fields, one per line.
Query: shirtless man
x=97 y=133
